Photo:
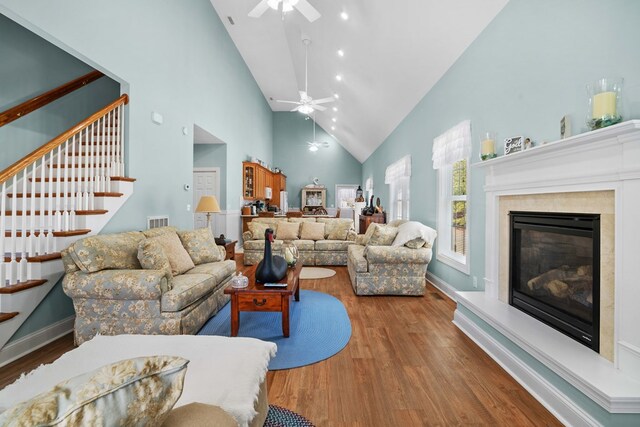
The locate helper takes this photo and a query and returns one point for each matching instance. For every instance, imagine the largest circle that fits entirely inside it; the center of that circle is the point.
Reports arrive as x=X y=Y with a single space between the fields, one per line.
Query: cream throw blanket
x=226 y=372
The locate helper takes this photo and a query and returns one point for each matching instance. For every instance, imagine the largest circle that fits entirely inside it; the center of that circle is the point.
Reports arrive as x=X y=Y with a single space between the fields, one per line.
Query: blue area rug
x=319 y=328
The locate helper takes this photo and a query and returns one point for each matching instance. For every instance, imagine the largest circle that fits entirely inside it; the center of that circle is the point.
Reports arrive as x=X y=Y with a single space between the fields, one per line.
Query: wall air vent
x=157 y=221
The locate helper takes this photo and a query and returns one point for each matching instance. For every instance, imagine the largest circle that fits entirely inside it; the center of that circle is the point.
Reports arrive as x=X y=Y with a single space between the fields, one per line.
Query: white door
x=205 y=183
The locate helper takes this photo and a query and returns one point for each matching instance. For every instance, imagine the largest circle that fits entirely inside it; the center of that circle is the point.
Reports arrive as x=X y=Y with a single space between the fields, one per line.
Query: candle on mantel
x=604 y=105
x=488 y=146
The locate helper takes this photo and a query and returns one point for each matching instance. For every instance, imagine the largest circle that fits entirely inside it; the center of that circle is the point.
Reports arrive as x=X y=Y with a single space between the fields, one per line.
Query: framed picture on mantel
x=513 y=144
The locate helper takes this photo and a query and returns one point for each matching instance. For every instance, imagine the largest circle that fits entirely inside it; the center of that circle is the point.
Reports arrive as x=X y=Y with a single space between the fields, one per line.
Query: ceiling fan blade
x=324 y=144
x=318 y=107
x=295 y=109
x=323 y=100
x=307 y=10
x=261 y=8
x=287 y=102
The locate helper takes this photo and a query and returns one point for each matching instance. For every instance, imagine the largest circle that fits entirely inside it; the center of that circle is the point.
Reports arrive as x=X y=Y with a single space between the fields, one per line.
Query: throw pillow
x=107 y=251
x=397 y=222
x=288 y=231
x=383 y=236
x=415 y=243
x=257 y=229
x=152 y=257
x=139 y=391
x=200 y=245
x=413 y=230
x=178 y=256
x=197 y=414
x=153 y=232
x=312 y=231
x=369 y=233
x=336 y=229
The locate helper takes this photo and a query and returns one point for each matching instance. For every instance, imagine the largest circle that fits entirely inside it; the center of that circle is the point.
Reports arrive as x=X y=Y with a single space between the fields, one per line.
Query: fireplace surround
x=598 y=173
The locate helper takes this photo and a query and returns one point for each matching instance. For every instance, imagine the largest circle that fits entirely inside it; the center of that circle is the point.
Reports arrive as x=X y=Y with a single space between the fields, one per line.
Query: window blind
x=453 y=145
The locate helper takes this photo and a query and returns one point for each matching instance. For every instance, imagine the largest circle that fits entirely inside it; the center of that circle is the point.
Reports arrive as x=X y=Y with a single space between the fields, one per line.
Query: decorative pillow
x=337 y=229
x=200 y=245
x=383 y=235
x=178 y=256
x=288 y=231
x=199 y=414
x=152 y=257
x=132 y=392
x=158 y=231
x=397 y=222
x=108 y=251
x=301 y=219
x=413 y=230
x=257 y=229
x=312 y=231
x=415 y=243
x=369 y=233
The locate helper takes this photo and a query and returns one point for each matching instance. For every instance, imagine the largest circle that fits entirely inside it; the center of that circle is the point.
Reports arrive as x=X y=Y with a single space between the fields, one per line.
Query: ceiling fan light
x=313 y=148
x=305 y=109
x=273 y=4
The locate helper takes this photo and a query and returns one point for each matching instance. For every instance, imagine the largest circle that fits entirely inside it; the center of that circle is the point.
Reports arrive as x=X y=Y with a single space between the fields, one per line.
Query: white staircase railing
x=42 y=193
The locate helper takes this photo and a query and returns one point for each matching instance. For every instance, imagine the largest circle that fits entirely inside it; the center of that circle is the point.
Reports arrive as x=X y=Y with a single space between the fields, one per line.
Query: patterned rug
x=282 y=417
x=320 y=328
x=309 y=273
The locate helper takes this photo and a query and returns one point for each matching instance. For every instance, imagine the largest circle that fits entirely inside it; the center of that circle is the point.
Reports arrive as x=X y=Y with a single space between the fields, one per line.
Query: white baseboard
x=445 y=287
x=549 y=396
x=35 y=340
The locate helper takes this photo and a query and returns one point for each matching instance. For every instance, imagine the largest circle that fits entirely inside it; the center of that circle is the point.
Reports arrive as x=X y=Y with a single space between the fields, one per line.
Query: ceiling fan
x=314 y=145
x=307 y=105
x=303 y=7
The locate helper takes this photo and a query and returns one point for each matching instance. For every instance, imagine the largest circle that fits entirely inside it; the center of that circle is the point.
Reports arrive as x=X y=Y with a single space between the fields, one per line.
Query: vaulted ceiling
x=394 y=53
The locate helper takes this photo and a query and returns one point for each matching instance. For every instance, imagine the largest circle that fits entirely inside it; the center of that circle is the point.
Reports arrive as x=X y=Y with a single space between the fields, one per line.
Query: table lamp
x=208 y=205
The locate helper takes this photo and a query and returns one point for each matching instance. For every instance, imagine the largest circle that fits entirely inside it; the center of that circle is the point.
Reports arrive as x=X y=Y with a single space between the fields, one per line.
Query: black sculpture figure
x=272 y=268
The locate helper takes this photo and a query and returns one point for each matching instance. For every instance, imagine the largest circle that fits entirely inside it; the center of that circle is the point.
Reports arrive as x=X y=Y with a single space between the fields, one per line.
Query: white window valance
x=368 y=184
x=453 y=145
x=399 y=169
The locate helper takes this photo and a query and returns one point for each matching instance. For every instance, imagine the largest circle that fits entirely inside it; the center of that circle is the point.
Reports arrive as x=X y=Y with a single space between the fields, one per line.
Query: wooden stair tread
x=6 y=316
x=39 y=258
x=55 y=233
x=96 y=194
x=17 y=287
x=77 y=211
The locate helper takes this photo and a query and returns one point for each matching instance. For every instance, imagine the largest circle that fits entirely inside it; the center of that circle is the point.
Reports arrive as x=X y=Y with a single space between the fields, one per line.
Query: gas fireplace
x=554 y=271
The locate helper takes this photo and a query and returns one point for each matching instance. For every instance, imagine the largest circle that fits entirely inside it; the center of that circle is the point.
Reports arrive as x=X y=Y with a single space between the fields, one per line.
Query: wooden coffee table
x=256 y=297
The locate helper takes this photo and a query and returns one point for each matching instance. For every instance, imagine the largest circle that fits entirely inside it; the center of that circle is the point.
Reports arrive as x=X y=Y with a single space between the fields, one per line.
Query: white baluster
x=65 y=188
x=22 y=273
x=92 y=172
x=13 y=264
x=102 y=156
x=79 y=167
x=121 y=138
x=50 y=214
x=73 y=185
x=32 y=209
x=3 y=229
x=108 y=145
x=42 y=241
x=56 y=195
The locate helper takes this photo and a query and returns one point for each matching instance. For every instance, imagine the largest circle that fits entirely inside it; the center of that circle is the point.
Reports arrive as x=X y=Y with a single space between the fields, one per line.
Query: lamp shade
x=208 y=204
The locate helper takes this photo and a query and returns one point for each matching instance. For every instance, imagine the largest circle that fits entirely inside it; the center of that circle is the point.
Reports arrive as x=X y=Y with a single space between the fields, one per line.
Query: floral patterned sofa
x=320 y=241
x=385 y=262
x=159 y=281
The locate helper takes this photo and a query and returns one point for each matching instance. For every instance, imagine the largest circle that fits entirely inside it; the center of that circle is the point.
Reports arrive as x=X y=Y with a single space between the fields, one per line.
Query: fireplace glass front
x=555 y=271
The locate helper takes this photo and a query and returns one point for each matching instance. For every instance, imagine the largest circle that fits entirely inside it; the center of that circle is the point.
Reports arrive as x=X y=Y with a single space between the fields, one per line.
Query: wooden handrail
x=39 y=101
x=58 y=140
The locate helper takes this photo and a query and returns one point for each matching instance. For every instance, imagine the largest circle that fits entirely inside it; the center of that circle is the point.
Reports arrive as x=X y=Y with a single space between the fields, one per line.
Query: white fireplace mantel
x=603 y=160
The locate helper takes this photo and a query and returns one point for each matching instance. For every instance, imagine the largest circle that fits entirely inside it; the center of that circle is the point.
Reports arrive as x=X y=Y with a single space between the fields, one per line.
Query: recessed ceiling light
x=334 y=120
x=340 y=52
x=338 y=77
x=333 y=128
x=335 y=108
x=336 y=96
x=344 y=15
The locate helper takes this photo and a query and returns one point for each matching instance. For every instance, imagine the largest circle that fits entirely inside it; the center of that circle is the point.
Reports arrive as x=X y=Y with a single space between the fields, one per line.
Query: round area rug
x=319 y=328
x=316 y=273
x=282 y=417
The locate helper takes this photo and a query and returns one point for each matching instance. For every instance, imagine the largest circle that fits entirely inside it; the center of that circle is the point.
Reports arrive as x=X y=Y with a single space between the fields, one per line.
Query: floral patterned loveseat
x=320 y=241
x=159 y=281
x=391 y=259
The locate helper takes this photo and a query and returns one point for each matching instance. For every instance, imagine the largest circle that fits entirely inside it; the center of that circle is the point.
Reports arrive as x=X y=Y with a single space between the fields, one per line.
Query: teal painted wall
x=333 y=165
x=210 y=156
x=30 y=66
x=519 y=77
x=172 y=59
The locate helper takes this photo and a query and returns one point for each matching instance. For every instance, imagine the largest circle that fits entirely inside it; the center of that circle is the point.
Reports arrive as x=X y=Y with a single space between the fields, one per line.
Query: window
x=451 y=152
x=345 y=195
x=398 y=176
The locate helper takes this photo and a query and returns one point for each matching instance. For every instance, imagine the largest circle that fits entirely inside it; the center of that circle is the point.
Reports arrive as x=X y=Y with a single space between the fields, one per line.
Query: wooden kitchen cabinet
x=261 y=182
x=256 y=178
x=249 y=180
x=279 y=184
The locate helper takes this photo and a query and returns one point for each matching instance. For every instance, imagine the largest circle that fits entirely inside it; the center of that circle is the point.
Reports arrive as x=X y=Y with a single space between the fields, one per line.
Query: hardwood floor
x=406 y=365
